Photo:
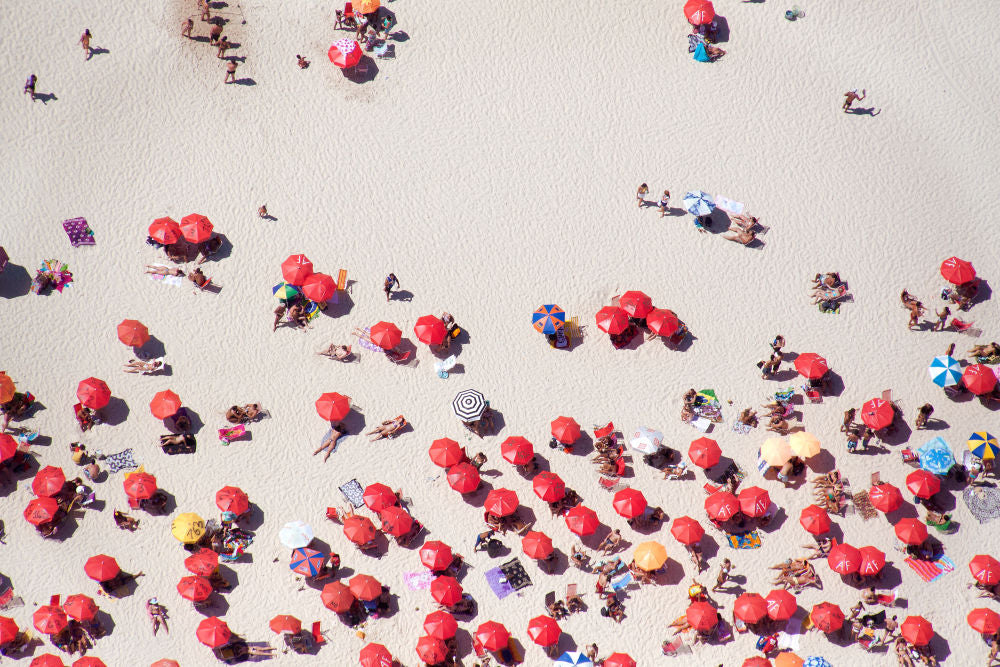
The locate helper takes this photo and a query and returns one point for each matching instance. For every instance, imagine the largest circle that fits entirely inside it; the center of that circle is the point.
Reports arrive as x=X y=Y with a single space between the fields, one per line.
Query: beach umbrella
x=187 y=527
x=440 y=625
x=93 y=393
x=80 y=607
x=345 y=53
x=827 y=617
x=885 y=497
x=637 y=304
x=810 y=365
x=295 y=269
x=46 y=660
x=430 y=329
x=166 y=662
x=701 y=616
x=378 y=496
x=936 y=457
x=164 y=404
x=337 y=597
x=572 y=658
x=432 y=651
x=49 y=619
x=547 y=319
x=501 y=502
x=359 y=529
x=872 y=561
x=101 y=568
x=202 y=562
x=775 y=452
x=757 y=661
x=436 y=555
x=582 y=521
x=565 y=430
x=662 y=322
x=319 y=287
x=445 y=452
x=877 y=413
x=618 y=660
x=787 y=659
x=165 y=231
x=754 y=501
x=463 y=477
x=194 y=588
x=650 y=556
x=548 y=486
x=629 y=503
x=911 y=531
x=536 y=545
x=213 y=632
x=285 y=292
x=957 y=271
x=985 y=569
x=395 y=521
x=804 y=444
x=979 y=379
x=367 y=6
x=308 y=562
x=646 y=440
x=922 y=483
x=296 y=534
x=492 y=635
x=517 y=450
x=365 y=587
x=284 y=623
x=686 y=530
x=133 y=333
x=704 y=452
x=140 y=485
x=982 y=620
x=48 y=482
x=844 y=559
x=7 y=388
x=781 y=605
x=232 y=499
x=612 y=320
x=8 y=446
x=917 y=630
x=722 y=505
x=446 y=590
x=544 y=630
x=332 y=406
x=750 y=607
x=469 y=405
x=945 y=371
x=41 y=510
x=8 y=630
x=980 y=443
x=697 y=202
x=386 y=335
x=816 y=661
x=196 y=228
x=375 y=655
x=814 y=519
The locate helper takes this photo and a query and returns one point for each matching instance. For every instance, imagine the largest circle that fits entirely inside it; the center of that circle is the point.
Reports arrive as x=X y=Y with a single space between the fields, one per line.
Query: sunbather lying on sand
x=160 y=270
x=388 y=428
x=740 y=236
x=337 y=352
x=137 y=366
x=331 y=441
x=990 y=350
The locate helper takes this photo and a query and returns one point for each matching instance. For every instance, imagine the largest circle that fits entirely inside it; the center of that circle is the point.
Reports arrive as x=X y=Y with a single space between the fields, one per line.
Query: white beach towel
x=174 y=281
x=728 y=205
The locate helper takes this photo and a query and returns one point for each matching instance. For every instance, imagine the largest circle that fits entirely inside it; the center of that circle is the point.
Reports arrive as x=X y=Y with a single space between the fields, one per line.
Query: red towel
x=926 y=570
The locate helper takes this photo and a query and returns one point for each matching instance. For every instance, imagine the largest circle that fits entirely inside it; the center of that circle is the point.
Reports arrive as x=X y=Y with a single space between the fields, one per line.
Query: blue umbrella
x=936 y=456
x=945 y=371
x=816 y=661
x=699 y=203
x=573 y=658
x=307 y=561
x=548 y=318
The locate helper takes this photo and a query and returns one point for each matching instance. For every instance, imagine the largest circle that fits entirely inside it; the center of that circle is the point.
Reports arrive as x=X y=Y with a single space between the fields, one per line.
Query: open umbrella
x=194 y=588
x=815 y=520
x=629 y=503
x=877 y=413
x=48 y=482
x=754 y=501
x=8 y=446
x=6 y=387
x=885 y=497
x=936 y=457
x=704 y=452
x=359 y=529
x=296 y=534
x=721 y=505
x=662 y=322
x=232 y=499
x=872 y=561
x=165 y=231
x=810 y=365
x=345 y=53
x=463 y=477
x=945 y=371
x=917 y=630
x=375 y=655
x=757 y=661
x=166 y=662
x=469 y=405
x=572 y=658
x=775 y=451
x=365 y=587
x=844 y=559
x=8 y=630
x=386 y=335
x=446 y=590
x=781 y=605
x=319 y=287
x=582 y=521
x=701 y=616
x=164 y=404
x=544 y=630
x=378 y=496
x=985 y=569
x=548 y=486
x=827 y=617
x=517 y=450
x=395 y=521
x=980 y=443
x=432 y=651
x=501 y=502
x=445 y=452
x=140 y=485
x=922 y=483
x=202 y=562
x=697 y=202
x=646 y=440
x=430 y=329
x=440 y=625
x=548 y=318
x=536 y=545
x=612 y=320
x=295 y=269
x=982 y=620
x=804 y=444
x=332 y=406
x=285 y=292
x=196 y=228
x=188 y=527
x=436 y=555
x=957 y=271
x=565 y=430
x=637 y=304
x=686 y=530
x=306 y=561
x=93 y=393
x=80 y=607
x=101 y=568
x=46 y=660
x=787 y=659
x=41 y=510
x=284 y=623
x=619 y=660
x=49 y=619
x=750 y=607
x=213 y=632
x=979 y=379
x=816 y=661
x=650 y=556
x=492 y=635
x=337 y=597
x=133 y=333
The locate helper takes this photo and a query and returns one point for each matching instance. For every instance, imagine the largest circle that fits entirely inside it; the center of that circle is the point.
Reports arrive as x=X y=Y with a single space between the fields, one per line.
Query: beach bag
x=701 y=54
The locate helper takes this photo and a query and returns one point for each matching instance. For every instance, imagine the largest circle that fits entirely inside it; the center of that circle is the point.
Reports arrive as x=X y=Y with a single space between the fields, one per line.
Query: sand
x=492 y=167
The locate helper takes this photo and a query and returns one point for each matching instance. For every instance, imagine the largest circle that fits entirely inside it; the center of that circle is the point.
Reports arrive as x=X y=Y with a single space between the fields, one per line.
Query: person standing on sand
x=641 y=193
x=215 y=33
x=230 y=72
x=665 y=203
x=206 y=15
x=262 y=211
x=852 y=97
x=85 y=41
x=390 y=281
x=723 y=577
x=942 y=319
x=29 y=86
x=186 y=28
x=223 y=45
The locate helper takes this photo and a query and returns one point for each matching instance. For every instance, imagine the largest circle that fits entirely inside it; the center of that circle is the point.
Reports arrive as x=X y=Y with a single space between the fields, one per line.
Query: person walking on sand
x=916 y=310
x=262 y=211
x=187 y=27
x=29 y=86
x=723 y=577
x=206 y=15
x=665 y=203
x=231 y=72
x=942 y=319
x=390 y=281
x=641 y=193
x=85 y=42
x=851 y=97
x=223 y=45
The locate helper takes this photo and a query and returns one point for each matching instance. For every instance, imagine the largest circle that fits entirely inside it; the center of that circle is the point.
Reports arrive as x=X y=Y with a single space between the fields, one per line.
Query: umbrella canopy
x=646 y=440
x=722 y=505
x=945 y=371
x=202 y=562
x=757 y=661
x=463 y=477
x=166 y=662
x=816 y=661
x=662 y=322
x=548 y=486
x=40 y=510
x=49 y=619
x=285 y=292
x=701 y=616
x=650 y=556
x=619 y=660
x=93 y=393
x=140 y=485
x=750 y=607
x=517 y=450
x=187 y=527
x=8 y=446
x=440 y=625
x=982 y=620
x=980 y=443
x=445 y=452
x=446 y=590
x=101 y=568
x=917 y=630
x=697 y=202
x=565 y=430
x=345 y=53
x=686 y=530
x=165 y=231
x=436 y=555
x=366 y=587
x=46 y=660
x=775 y=451
x=319 y=287
x=536 y=545
x=815 y=520
x=810 y=365
x=375 y=655
x=911 y=531
x=367 y=6
x=827 y=617
x=885 y=497
x=804 y=444
x=285 y=623
x=985 y=569
x=378 y=496
x=548 y=318
x=196 y=228
x=469 y=405
x=612 y=320
x=80 y=607
x=359 y=529
x=781 y=605
x=6 y=387
x=296 y=534
x=133 y=333
x=295 y=269
x=8 y=630
x=386 y=335
x=704 y=452
x=432 y=651
x=787 y=659
x=213 y=632
x=306 y=561
x=194 y=588
x=635 y=303
x=872 y=561
x=48 y=482
x=332 y=406
x=395 y=521
x=629 y=503
x=430 y=329
x=492 y=635
x=582 y=521
x=936 y=457
x=922 y=483
x=572 y=658
x=957 y=271
x=844 y=559
x=337 y=597
x=754 y=501
x=232 y=499
x=501 y=502
x=164 y=404
x=877 y=413
x=544 y=630
x=979 y=379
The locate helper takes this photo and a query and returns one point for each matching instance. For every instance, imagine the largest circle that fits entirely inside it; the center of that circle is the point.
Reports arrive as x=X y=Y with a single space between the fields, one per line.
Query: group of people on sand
x=827 y=290
x=215 y=36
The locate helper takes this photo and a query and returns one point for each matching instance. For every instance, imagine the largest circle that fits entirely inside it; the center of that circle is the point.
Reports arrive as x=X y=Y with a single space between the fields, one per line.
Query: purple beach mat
x=498 y=583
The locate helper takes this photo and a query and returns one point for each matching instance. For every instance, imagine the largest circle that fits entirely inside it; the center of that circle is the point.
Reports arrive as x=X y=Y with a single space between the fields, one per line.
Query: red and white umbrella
x=345 y=53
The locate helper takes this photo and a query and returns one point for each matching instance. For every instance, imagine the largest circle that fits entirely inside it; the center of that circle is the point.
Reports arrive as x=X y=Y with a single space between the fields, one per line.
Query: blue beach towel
x=701 y=54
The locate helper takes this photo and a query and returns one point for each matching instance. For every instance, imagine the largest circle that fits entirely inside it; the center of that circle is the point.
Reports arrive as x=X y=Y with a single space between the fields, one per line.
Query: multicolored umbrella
x=637 y=304
x=612 y=320
x=885 y=497
x=985 y=569
x=463 y=477
x=979 y=379
x=93 y=393
x=911 y=531
x=781 y=605
x=194 y=588
x=501 y=502
x=662 y=322
x=548 y=486
x=544 y=630
x=232 y=499
x=196 y=228
x=296 y=534
x=213 y=632
x=704 y=452
x=536 y=545
x=565 y=430
x=827 y=617
x=980 y=443
x=922 y=483
x=810 y=365
x=308 y=562
x=430 y=329
x=133 y=333
x=582 y=521
x=982 y=620
x=386 y=335
x=572 y=658
x=844 y=559
x=686 y=530
x=140 y=485
x=164 y=404
x=816 y=661
x=629 y=503
x=697 y=202
x=395 y=521
x=436 y=556
x=945 y=371
x=492 y=636
x=359 y=529
x=517 y=450
x=165 y=231
x=41 y=510
x=188 y=527
x=319 y=287
x=295 y=269
x=547 y=319
x=337 y=597
x=48 y=482
x=750 y=607
x=365 y=587
x=877 y=413
x=650 y=556
x=917 y=630
x=936 y=456
x=284 y=623
x=469 y=405
x=445 y=452
x=957 y=271
x=722 y=505
x=101 y=568
x=815 y=520
x=285 y=292
x=872 y=561
x=80 y=607
x=378 y=496
x=440 y=625
x=446 y=590
x=332 y=406
x=375 y=655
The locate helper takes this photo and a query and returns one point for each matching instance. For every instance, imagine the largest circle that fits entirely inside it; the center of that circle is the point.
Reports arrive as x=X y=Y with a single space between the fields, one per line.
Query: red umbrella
x=8 y=630
x=337 y=597
x=619 y=660
x=979 y=379
x=164 y=404
x=544 y=630
x=501 y=502
x=333 y=406
x=750 y=607
x=911 y=531
x=565 y=430
x=699 y=12
x=213 y=632
x=629 y=503
x=517 y=450
x=702 y=616
x=548 y=486
x=917 y=630
x=46 y=660
x=232 y=499
x=536 y=545
x=612 y=320
x=395 y=521
x=8 y=446
x=49 y=619
x=877 y=413
x=704 y=452
x=319 y=287
x=202 y=562
x=430 y=329
x=386 y=335
x=365 y=587
x=432 y=651
x=345 y=53
x=754 y=501
x=983 y=620
x=844 y=559
x=781 y=605
x=922 y=484
x=196 y=228
x=662 y=322
x=582 y=521
x=165 y=231
x=41 y=510
x=359 y=529
x=93 y=393
x=375 y=655
x=827 y=617
x=872 y=561
x=810 y=365
x=635 y=303
x=985 y=569
x=295 y=269
x=686 y=530
x=885 y=497
x=166 y=662
x=440 y=625
x=378 y=496
x=140 y=485
x=80 y=607
x=445 y=452
x=492 y=635
x=436 y=555
x=194 y=588
x=285 y=623
x=101 y=568
x=463 y=477
x=756 y=661
x=48 y=482
x=721 y=505
x=446 y=590
x=133 y=333
x=957 y=271
x=815 y=520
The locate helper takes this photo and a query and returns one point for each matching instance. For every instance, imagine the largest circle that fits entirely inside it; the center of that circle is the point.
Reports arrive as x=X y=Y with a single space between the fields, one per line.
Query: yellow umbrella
x=787 y=660
x=188 y=528
x=650 y=556
x=804 y=444
x=775 y=451
x=367 y=6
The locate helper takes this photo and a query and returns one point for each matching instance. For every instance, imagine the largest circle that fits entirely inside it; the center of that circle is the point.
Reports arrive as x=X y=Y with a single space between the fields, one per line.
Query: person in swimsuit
x=215 y=33
x=665 y=203
x=186 y=28
x=85 y=42
x=303 y=63
x=641 y=193
x=198 y=278
x=390 y=281
x=223 y=45
x=159 y=270
x=330 y=443
x=230 y=72
x=29 y=87
x=851 y=97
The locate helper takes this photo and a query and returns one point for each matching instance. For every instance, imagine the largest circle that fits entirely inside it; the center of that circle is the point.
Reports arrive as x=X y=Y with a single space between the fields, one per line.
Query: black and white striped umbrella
x=469 y=405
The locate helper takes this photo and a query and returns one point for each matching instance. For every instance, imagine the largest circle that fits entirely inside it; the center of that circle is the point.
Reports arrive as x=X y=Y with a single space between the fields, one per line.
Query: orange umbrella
x=619 y=660
x=48 y=482
x=196 y=589
x=662 y=322
x=536 y=545
x=165 y=404
x=844 y=559
x=985 y=569
x=337 y=597
x=565 y=430
x=375 y=655
x=754 y=501
x=232 y=499
x=517 y=450
x=787 y=659
x=922 y=484
x=982 y=620
x=637 y=304
x=704 y=452
x=446 y=590
x=701 y=616
x=40 y=510
x=80 y=607
x=49 y=619
x=548 y=486
x=213 y=632
x=359 y=529
x=629 y=503
x=430 y=329
x=432 y=651
x=319 y=287
x=750 y=607
x=911 y=531
x=544 y=630
x=501 y=502
x=440 y=625
x=378 y=496
x=165 y=231
x=386 y=335
x=721 y=505
x=140 y=485
x=612 y=320
x=827 y=617
x=436 y=555
x=6 y=387
x=365 y=587
x=196 y=228
x=686 y=530
x=368 y=6
x=445 y=452
x=395 y=521
x=93 y=393
x=333 y=406
x=781 y=605
x=8 y=446
x=285 y=623
x=885 y=497
x=582 y=521
x=463 y=477
x=872 y=561
x=101 y=568
x=917 y=630
x=133 y=333
x=203 y=562
x=492 y=635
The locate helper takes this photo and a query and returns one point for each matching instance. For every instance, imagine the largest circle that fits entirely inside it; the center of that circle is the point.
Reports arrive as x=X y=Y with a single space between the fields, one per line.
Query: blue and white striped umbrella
x=945 y=371
x=816 y=661
x=936 y=456
x=699 y=203
x=573 y=658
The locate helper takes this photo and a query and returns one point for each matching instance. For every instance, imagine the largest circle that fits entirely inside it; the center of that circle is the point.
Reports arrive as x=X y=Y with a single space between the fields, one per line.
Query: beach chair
x=573 y=600
x=812 y=393
x=572 y=328
x=316 y=632
x=610 y=483
x=386 y=50
x=909 y=457
x=398 y=358
x=341 y=285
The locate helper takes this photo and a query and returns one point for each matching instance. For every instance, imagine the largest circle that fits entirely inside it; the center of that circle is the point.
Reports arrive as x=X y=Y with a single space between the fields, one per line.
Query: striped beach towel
x=931 y=570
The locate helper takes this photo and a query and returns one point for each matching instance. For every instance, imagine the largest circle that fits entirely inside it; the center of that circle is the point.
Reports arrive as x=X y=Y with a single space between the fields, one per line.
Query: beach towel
x=419 y=581
x=931 y=570
x=173 y=281
x=123 y=460
x=694 y=40
x=785 y=395
x=741 y=428
x=228 y=434
x=762 y=465
x=367 y=344
x=995 y=359
x=701 y=53
x=515 y=574
x=864 y=505
x=676 y=647
x=728 y=205
x=336 y=446
x=498 y=583
x=79 y=232
x=622 y=582
x=353 y=493
x=983 y=502
x=749 y=540
x=51 y=273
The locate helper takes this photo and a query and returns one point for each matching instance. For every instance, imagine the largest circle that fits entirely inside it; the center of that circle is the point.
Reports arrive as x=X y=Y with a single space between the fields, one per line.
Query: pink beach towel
x=418 y=581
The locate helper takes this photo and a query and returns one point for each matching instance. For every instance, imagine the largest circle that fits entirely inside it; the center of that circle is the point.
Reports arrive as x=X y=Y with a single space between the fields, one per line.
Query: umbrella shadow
x=776 y=522
x=196 y=422
x=15 y=281
x=709 y=547
x=253 y=519
x=224 y=251
x=106 y=621
x=721 y=29
x=230 y=576
x=671 y=574
x=215 y=605
x=364 y=72
x=151 y=349
x=342 y=306
x=115 y=412
x=822 y=463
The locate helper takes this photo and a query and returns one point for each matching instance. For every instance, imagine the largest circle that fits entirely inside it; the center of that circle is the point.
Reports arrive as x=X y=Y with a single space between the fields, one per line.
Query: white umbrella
x=646 y=440
x=296 y=534
x=699 y=203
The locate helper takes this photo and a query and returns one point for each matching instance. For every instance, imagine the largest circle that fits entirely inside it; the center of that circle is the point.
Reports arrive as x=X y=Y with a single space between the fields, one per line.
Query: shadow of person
x=246 y=81
x=864 y=111
x=44 y=98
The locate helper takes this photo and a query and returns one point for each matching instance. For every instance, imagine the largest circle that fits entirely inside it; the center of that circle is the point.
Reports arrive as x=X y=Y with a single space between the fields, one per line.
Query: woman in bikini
x=331 y=441
x=160 y=270
x=388 y=428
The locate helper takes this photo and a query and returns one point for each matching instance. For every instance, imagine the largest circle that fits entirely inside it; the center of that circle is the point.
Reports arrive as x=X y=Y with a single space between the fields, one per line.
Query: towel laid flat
x=418 y=581
x=79 y=232
x=728 y=205
x=749 y=540
x=498 y=583
x=123 y=460
x=353 y=493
